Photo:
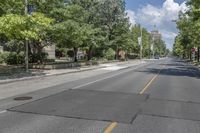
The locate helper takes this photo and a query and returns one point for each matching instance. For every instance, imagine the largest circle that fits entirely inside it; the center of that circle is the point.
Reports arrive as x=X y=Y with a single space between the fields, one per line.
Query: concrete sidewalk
x=36 y=73
x=14 y=87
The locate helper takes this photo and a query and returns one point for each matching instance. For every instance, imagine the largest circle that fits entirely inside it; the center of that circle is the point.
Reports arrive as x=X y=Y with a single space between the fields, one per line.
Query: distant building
x=51 y=51
x=1 y=49
x=156 y=35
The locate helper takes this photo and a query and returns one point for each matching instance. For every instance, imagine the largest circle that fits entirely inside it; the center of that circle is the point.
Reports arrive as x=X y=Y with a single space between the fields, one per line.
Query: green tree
x=11 y=7
x=178 y=48
x=114 y=23
x=72 y=31
x=95 y=38
x=32 y=28
x=189 y=26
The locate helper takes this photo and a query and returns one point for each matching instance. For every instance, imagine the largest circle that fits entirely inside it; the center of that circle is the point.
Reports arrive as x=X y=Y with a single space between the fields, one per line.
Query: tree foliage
x=93 y=26
x=24 y=27
x=189 y=27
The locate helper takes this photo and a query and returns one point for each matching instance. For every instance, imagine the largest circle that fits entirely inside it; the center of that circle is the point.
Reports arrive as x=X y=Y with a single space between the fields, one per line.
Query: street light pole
x=153 y=47
x=141 y=47
x=26 y=41
x=149 y=47
x=153 y=43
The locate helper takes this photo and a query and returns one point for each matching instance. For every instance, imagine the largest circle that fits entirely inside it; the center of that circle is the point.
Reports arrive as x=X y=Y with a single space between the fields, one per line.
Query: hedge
x=12 y=58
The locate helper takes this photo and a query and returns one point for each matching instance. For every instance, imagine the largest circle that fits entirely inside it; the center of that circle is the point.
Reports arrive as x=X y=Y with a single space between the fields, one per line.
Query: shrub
x=21 y=58
x=1 y=59
x=122 y=59
x=60 y=52
x=94 y=59
x=13 y=58
x=4 y=57
x=49 y=60
x=110 y=54
x=132 y=56
x=70 y=53
x=38 y=58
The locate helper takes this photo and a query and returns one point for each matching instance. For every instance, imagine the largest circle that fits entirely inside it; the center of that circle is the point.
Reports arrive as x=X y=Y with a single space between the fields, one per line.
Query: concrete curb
x=43 y=76
x=63 y=73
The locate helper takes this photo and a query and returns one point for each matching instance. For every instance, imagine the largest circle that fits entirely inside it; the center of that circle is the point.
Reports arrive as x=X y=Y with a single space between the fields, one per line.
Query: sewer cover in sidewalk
x=90 y=105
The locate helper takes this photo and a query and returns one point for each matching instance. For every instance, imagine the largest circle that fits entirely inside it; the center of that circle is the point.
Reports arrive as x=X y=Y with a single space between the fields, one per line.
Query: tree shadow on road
x=175 y=71
x=172 y=64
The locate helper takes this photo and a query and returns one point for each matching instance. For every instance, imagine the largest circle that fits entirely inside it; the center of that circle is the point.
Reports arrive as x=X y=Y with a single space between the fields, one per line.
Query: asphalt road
x=160 y=96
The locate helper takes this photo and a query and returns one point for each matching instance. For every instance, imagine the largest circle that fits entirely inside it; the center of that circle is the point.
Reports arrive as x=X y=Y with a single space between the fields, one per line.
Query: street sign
x=151 y=47
x=194 y=50
x=139 y=40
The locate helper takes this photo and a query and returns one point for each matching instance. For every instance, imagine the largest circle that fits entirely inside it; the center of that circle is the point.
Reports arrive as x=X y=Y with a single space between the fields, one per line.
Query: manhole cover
x=22 y=98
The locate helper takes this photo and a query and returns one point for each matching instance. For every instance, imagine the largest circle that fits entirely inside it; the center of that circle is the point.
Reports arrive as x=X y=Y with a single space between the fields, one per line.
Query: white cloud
x=162 y=17
x=168 y=34
x=131 y=15
x=183 y=7
x=171 y=6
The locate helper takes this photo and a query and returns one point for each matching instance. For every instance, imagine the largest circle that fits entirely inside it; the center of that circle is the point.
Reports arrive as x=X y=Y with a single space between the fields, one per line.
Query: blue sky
x=156 y=12
x=135 y=4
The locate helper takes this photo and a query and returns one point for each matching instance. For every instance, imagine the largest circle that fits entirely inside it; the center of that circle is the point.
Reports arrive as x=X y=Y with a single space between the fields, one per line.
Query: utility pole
x=149 y=47
x=141 y=47
x=153 y=42
x=26 y=41
x=153 y=47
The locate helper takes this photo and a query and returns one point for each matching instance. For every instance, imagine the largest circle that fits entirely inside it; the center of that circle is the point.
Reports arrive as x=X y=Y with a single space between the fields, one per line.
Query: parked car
x=157 y=57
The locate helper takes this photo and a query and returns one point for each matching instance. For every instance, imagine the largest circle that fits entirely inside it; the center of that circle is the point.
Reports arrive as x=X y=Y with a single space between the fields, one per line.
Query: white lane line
x=108 y=77
x=4 y=111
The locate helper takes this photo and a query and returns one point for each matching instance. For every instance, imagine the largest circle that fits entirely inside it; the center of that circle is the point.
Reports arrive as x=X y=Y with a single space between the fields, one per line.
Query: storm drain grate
x=23 y=98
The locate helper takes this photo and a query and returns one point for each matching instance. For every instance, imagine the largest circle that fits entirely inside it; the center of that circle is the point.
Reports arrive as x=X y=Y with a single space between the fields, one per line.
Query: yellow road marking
x=150 y=82
x=110 y=128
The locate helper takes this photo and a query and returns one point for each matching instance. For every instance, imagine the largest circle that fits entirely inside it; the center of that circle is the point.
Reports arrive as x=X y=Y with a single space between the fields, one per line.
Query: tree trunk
x=126 y=55
x=89 y=53
x=117 y=54
x=41 y=59
x=198 y=52
x=39 y=49
x=75 y=54
x=188 y=54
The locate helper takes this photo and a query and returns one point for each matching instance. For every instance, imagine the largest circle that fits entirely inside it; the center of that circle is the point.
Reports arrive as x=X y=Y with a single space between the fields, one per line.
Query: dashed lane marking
x=110 y=128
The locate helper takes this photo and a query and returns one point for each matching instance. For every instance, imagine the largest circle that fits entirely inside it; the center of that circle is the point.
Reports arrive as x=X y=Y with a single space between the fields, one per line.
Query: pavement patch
x=153 y=124
x=15 y=122
x=85 y=104
x=172 y=109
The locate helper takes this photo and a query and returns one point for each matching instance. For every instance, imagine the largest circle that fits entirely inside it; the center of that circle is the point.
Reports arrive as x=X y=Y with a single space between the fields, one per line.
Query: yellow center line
x=110 y=128
x=148 y=84
x=151 y=81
